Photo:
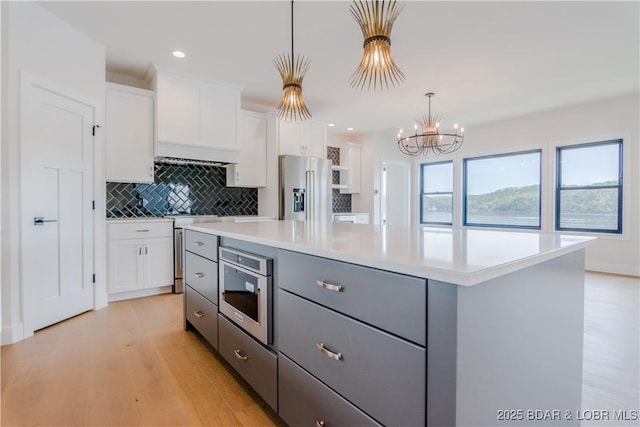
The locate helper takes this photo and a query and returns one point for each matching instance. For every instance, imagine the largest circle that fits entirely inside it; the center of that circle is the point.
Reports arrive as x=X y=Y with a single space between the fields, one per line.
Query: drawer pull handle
x=199 y=275
x=329 y=286
x=199 y=314
x=240 y=355
x=199 y=243
x=319 y=423
x=327 y=352
x=142 y=231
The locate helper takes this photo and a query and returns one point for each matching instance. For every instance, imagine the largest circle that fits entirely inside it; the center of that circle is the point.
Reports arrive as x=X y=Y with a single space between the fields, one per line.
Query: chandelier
x=377 y=68
x=292 y=70
x=427 y=137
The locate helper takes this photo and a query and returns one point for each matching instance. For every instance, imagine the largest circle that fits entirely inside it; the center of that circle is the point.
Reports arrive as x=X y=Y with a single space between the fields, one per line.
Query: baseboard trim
x=12 y=334
x=624 y=270
x=140 y=293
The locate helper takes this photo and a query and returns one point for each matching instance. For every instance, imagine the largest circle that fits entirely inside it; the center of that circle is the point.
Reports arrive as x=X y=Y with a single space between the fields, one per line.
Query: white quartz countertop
x=460 y=256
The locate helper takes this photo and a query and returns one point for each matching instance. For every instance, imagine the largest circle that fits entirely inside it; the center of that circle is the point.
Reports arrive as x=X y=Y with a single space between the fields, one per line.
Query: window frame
x=619 y=186
x=465 y=223
x=438 y=193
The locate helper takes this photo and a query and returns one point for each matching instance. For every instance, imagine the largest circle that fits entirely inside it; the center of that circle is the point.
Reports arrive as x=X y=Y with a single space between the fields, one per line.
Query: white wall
x=616 y=117
x=376 y=148
x=36 y=41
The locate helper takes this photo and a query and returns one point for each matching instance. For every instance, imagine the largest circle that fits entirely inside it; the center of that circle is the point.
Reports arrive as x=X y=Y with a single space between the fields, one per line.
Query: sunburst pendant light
x=427 y=137
x=292 y=70
x=377 y=68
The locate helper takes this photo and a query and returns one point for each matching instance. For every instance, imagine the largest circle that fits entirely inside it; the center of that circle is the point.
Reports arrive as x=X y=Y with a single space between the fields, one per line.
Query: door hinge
x=93 y=205
x=94 y=278
x=93 y=130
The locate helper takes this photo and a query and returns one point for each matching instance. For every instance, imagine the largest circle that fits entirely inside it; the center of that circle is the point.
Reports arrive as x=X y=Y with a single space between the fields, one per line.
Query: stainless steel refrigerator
x=305 y=188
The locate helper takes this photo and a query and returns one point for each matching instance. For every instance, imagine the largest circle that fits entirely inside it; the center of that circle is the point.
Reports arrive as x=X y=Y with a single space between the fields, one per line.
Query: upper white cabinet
x=302 y=138
x=251 y=169
x=129 y=134
x=350 y=168
x=196 y=118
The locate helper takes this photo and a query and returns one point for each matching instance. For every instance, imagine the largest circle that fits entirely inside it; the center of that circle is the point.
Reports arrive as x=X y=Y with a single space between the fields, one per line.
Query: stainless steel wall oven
x=245 y=288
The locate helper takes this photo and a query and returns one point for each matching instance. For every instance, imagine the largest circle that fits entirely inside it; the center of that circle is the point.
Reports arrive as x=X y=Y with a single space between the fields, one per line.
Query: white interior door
x=56 y=200
x=395 y=205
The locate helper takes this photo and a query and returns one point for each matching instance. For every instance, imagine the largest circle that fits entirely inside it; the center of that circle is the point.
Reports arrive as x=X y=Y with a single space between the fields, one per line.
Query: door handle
x=38 y=220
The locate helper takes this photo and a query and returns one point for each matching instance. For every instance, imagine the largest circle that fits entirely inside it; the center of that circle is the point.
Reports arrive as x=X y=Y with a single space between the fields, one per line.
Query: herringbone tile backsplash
x=341 y=202
x=181 y=190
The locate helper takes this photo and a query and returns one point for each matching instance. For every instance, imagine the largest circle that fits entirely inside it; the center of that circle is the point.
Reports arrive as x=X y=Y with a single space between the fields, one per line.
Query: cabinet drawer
x=383 y=375
x=257 y=365
x=203 y=244
x=202 y=314
x=390 y=301
x=305 y=401
x=202 y=275
x=139 y=230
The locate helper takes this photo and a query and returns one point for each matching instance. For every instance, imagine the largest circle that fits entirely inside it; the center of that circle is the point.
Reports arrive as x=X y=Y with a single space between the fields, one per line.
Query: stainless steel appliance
x=244 y=287
x=178 y=253
x=305 y=188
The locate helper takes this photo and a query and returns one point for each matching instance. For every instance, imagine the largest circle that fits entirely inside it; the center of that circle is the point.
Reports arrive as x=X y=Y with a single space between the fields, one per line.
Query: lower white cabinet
x=140 y=255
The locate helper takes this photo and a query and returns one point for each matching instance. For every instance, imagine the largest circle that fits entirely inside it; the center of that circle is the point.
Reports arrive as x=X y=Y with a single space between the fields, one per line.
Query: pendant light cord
x=292 y=34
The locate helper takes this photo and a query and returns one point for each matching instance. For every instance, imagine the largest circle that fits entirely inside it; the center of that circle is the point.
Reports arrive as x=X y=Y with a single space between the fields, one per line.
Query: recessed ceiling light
x=178 y=54
x=349 y=128
x=331 y=125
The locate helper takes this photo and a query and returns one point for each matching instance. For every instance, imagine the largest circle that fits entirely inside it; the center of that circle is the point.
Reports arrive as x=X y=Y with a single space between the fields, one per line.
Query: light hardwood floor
x=131 y=364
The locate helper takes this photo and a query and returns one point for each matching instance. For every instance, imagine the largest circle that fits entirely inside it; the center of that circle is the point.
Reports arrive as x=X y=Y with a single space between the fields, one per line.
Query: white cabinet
x=302 y=139
x=196 y=118
x=350 y=168
x=251 y=169
x=140 y=255
x=128 y=134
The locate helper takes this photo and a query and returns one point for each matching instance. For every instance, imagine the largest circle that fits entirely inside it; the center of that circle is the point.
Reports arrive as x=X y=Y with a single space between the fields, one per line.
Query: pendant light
x=377 y=68
x=292 y=70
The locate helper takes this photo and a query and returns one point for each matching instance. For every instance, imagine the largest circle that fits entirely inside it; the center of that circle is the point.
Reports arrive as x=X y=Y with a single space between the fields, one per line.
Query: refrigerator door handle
x=312 y=182
x=307 y=208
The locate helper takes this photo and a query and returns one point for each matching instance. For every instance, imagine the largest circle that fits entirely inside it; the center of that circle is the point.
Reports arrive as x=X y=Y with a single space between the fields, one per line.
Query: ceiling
x=484 y=60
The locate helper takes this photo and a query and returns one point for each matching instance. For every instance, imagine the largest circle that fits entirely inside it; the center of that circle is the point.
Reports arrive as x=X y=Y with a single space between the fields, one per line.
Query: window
x=436 y=190
x=502 y=190
x=589 y=187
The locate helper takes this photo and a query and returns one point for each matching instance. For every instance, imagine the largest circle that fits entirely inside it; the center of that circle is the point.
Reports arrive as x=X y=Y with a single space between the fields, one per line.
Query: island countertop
x=459 y=256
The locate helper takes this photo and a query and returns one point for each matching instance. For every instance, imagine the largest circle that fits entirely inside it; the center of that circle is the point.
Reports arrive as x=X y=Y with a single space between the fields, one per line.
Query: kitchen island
x=415 y=326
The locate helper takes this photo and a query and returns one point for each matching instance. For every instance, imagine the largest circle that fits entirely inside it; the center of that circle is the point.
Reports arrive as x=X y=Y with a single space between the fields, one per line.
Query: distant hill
x=524 y=200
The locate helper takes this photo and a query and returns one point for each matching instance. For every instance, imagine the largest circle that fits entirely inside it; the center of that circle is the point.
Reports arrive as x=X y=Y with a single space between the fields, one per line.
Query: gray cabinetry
x=202 y=314
x=389 y=301
x=305 y=401
x=205 y=245
x=202 y=275
x=201 y=284
x=383 y=375
x=256 y=364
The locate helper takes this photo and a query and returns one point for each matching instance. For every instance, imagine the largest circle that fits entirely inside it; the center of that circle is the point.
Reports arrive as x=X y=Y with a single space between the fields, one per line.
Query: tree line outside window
x=504 y=190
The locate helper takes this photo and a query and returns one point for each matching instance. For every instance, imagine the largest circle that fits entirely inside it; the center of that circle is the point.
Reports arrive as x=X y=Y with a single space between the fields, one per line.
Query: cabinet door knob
x=199 y=314
x=319 y=423
x=199 y=243
x=239 y=355
x=327 y=352
x=199 y=275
